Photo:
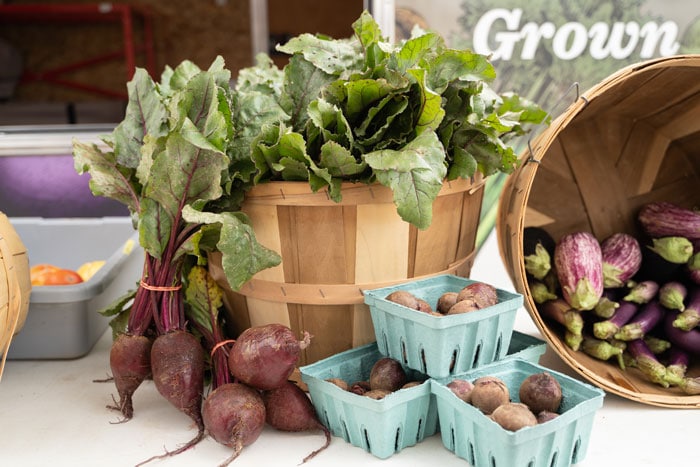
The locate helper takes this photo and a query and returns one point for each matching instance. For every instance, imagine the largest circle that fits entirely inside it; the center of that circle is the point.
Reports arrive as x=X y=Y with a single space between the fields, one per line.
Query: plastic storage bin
x=441 y=345
x=63 y=321
x=473 y=436
x=380 y=427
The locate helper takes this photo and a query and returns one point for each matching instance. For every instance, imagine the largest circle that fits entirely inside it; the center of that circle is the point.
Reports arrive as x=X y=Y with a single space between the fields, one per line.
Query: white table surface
x=52 y=414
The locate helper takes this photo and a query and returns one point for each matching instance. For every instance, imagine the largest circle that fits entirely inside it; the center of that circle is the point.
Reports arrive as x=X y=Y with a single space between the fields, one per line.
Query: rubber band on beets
x=219 y=345
x=156 y=288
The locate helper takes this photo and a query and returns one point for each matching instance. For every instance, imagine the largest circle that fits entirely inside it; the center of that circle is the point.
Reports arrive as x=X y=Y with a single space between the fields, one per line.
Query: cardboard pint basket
x=332 y=251
x=15 y=286
x=632 y=139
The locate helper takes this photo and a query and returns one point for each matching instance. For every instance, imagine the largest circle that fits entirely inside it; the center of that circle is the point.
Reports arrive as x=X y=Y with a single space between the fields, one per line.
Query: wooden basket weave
x=15 y=286
x=332 y=251
x=632 y=139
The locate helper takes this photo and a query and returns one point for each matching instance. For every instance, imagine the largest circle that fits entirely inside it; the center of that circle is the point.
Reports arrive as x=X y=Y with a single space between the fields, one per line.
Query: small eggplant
x=608 y=303
x=642 y=292
x=538 y=248
x=689 y=317
x=609 y=327
x=647 y=363
x=663 y=259
x=677 y=250
x=622 y=258
x=672 y=295
x=601 y=349
x=561 y=312
x=663 y=219
x=687 y=340
x=644 y=321
x=578 y=261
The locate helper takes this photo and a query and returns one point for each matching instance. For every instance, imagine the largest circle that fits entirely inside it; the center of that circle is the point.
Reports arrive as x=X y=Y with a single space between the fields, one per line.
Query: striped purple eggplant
x=578 y=261
x=664 y=219
x=622 y=258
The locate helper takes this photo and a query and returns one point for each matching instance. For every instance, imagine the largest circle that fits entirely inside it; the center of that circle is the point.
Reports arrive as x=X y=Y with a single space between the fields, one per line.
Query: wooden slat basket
x=332 y=251
x=15 y=286
x=632 y=139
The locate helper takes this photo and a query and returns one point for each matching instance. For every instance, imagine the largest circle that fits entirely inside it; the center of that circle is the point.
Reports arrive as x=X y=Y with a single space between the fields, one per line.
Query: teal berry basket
x=384 y=427
x=473 y=436
x=380 y=427
x=439 y=346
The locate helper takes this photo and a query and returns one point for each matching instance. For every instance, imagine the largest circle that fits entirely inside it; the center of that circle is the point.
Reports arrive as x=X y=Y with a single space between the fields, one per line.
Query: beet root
x=388 y=374
x=265 y=356
x=488 y=393
x=541 y=392
x=130 y=362
x=177 y=363
x=234 y=415
x=513 y=416
x=288 y=408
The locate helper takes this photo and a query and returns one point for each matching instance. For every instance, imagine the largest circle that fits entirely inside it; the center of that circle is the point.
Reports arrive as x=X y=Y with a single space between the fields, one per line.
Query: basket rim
x=530 y=160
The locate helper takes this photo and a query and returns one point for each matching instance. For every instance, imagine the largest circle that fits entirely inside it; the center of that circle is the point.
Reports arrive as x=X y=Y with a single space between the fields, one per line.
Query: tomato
x=47 y=274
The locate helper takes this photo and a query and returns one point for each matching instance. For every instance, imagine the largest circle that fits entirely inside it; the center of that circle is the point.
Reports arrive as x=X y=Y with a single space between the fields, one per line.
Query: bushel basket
x=632 y=139
x=332 y=251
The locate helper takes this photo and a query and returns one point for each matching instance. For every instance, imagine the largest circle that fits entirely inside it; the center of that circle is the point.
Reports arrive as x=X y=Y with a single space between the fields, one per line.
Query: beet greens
x=171 y=162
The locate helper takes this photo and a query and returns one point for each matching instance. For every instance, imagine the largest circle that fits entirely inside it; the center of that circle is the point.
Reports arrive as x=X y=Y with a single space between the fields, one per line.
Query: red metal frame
x=81 y=13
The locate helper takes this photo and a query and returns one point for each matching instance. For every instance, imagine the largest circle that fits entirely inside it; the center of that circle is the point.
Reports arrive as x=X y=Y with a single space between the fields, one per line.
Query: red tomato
x=47 y=274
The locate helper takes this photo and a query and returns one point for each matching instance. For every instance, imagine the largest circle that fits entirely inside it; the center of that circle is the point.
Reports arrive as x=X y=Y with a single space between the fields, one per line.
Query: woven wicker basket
x=15 y=286
x=631 y=139
x=332 y=251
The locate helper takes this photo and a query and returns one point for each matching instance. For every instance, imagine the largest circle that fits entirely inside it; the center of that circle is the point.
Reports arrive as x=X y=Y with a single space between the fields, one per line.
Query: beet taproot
x=234 y=415
x=541 y=392
x=288 y=408
x=481 y=293
x=177 y=365
x=130 y=362
x=488 y=393
x=387 y=374
x=462 y=388
x=265 y=356
x=513 y=416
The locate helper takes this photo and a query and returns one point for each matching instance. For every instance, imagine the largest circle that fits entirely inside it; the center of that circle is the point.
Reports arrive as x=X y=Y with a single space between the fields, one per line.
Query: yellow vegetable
x=87 y=270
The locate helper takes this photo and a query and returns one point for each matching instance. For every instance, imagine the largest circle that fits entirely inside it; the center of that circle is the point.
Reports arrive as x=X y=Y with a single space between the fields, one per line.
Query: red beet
x=130 y=361
x=265 y=356
x=177 y=362
x=288 y=408
x=234 y=415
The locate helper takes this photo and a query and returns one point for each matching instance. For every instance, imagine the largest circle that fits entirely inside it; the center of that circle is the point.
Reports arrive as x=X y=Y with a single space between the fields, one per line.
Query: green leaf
x=362 y=93
x=119 y=311
x=431 y=113
x=155 y=226
x=462 y=65
x=145 y=114
x=414 y=50
x=303 y=83
x=339 y=161
x=332 y=56
x=183 y=174
x=204 y=296
x=415 y=175
x=106 y=177
x=330 y=122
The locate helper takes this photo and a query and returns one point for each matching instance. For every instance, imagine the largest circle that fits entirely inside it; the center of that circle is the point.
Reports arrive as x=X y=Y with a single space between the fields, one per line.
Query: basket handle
x=15 y=300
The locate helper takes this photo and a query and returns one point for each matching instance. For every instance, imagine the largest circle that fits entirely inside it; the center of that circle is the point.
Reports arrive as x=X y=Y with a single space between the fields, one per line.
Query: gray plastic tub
x=63 y=321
